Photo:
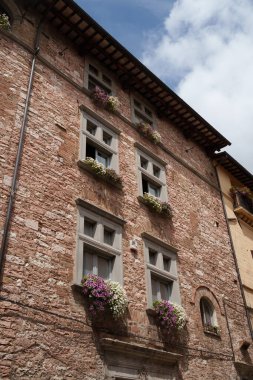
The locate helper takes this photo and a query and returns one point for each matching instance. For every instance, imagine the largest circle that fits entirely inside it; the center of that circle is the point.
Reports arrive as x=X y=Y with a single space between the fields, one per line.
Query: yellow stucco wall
x=242 y=235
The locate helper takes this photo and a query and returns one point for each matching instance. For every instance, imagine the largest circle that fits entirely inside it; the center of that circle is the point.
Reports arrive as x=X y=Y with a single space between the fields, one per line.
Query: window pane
x=87 y=263
x=207 y=312
x=89 y=227
x=165 y=290
x=107 y=80
x=90 y=151
x=103 y=267
x=148 y=112
x=156 y=171
x=154 y=285
x=91 y=84
x=107 y=138
x=91 y=128
x=93 y=70
x=154 y=190
x=103 y=158
x=166 y=263
x=144 y=163
x=152 y=257
x=144 y=185
x=137 y=104
x=109 y=236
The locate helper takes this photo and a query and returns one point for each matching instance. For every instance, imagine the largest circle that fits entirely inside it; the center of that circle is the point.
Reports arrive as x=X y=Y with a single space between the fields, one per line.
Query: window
x=207 y=312
x=162 y=281
x=151 y=176
x=95 y=77
x=6 y=11
x=99 y=246
x=99 y=142
x=142 y=113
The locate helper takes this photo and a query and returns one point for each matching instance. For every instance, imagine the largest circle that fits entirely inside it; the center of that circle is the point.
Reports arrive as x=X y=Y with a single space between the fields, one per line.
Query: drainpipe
x=19 y=152
x=234 y=257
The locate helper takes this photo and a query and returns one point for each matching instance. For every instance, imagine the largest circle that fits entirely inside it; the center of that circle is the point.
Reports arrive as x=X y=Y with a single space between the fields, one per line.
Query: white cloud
x=205 y=52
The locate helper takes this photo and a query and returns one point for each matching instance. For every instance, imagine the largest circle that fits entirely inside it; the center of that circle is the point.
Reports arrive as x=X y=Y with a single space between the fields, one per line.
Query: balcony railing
x=243 y=206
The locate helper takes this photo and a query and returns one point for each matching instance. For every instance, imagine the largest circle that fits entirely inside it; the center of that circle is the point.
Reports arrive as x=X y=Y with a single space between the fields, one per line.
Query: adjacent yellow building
x=237 y=187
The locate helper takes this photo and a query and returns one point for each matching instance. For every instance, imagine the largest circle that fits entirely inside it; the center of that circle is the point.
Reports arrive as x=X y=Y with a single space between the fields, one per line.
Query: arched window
x=12 y=11
x=5 y=18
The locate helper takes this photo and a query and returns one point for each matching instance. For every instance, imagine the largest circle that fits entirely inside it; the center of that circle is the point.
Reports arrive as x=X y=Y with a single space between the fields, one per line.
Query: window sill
x=164 y=214
x=87 y=167
x=212 y=333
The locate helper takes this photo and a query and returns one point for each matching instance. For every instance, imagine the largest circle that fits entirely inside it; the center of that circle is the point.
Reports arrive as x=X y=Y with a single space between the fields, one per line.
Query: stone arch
x=204 y=291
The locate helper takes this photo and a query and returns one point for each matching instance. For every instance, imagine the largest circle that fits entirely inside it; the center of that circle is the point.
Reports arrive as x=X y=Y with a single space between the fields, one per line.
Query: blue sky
x=202 y=50
x=128 y=21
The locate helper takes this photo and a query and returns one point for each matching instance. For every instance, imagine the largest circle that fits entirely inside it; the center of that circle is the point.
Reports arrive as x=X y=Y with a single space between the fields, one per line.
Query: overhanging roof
x=89 y=37
x=234 y=168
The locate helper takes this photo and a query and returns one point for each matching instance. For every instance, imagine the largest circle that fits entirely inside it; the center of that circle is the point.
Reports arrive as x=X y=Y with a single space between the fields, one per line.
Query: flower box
x=104 y=296
x=146 y=130
x=4 y=22
x=154 y=204
x=109 y=102
x=98 y=169
x=169 y=315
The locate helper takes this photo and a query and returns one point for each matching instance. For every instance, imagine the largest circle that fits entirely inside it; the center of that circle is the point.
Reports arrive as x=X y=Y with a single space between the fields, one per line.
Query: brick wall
x=45 y=330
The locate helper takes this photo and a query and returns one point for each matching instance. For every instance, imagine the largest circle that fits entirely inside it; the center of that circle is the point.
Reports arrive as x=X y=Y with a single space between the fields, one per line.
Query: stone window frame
x=101 y=78
x=96 y=245
x=148 y=173
x=139 y=114
x=97 y=142
x=170 y=276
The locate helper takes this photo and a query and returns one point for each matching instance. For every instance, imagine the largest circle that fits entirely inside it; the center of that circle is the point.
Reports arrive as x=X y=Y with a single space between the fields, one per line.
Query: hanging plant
x=156 y=205
x=4 y=22
x=170 y=315
x=111 y=103
x=146 y=130
x=104 y=295
x=118 y=302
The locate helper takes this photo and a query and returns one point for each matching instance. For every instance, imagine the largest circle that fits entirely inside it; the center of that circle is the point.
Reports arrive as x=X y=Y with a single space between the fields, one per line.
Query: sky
x=203 y=50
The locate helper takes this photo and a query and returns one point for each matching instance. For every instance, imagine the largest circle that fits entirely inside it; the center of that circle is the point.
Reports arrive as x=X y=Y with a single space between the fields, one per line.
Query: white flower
x=113 y=103
x=156 y=137
x=4 y=22
x=181 y=316
x=153 y=202
x=118 y=302
x=95 y=165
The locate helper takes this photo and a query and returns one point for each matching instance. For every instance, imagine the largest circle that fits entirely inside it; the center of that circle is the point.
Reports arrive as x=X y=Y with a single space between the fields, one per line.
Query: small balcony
x=243 y=207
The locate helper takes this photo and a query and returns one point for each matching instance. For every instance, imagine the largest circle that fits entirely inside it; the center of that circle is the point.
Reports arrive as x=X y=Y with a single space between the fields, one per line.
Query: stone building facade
x=65 y=220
